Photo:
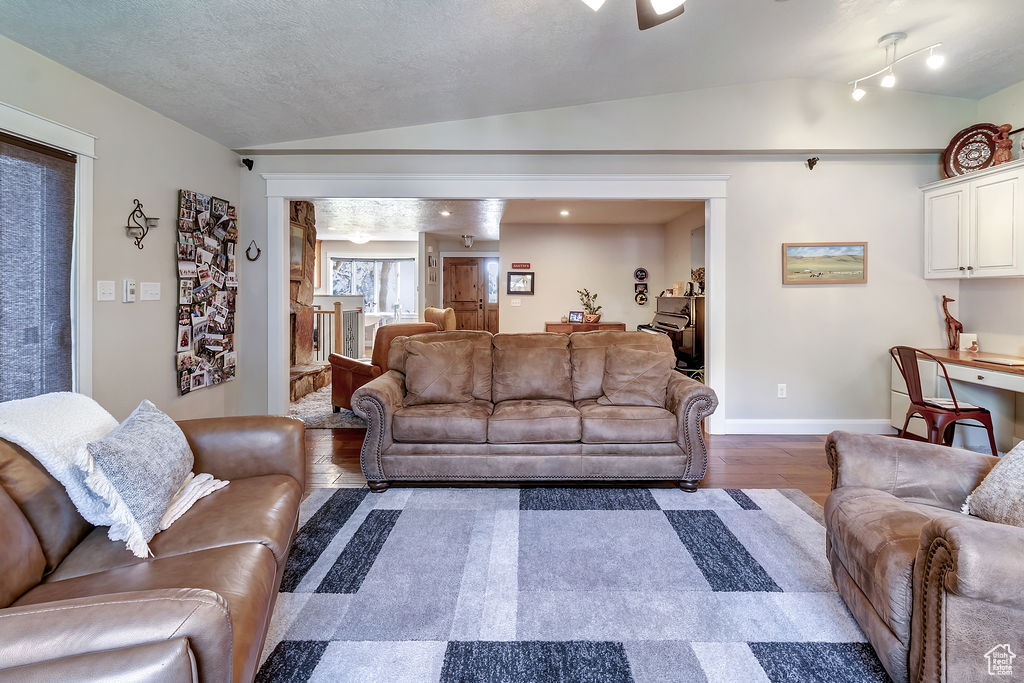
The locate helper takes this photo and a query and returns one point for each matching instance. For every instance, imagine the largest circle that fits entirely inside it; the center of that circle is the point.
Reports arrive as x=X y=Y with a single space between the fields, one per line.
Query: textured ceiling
x=250 y=72
x=404 y=219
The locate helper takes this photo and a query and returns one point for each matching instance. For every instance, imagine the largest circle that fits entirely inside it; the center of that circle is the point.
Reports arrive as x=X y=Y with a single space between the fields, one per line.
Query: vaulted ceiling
x=253 y=72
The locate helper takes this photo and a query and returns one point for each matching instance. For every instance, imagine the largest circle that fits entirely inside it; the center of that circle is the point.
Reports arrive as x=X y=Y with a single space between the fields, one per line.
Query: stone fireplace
x=306 y=374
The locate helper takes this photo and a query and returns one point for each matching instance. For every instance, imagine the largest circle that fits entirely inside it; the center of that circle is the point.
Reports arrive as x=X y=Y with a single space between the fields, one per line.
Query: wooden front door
x=466 y=291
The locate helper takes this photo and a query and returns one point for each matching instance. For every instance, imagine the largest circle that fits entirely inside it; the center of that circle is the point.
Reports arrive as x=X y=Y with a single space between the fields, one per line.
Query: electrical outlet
x=104 y=290
x=782 y=391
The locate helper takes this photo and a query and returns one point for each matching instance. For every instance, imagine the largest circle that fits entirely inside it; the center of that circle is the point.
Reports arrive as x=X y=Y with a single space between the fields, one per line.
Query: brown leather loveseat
x=76 y=606
x=936 y=592
x=534 y=416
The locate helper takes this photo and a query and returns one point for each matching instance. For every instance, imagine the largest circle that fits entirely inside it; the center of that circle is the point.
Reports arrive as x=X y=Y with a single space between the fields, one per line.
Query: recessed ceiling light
x=446 y=212
x=564 y=212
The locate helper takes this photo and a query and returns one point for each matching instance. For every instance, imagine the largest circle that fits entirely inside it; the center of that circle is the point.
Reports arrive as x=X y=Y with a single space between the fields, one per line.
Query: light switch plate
x=515 y=302
x=104 y=290
x=149 y=291
x=128 y=295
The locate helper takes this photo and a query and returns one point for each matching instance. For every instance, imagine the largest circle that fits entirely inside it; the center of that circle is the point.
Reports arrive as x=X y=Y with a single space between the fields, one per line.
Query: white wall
x=785 y=115
x=677 y=247
x=139 y=154
x=565 y=258
x=698 y=244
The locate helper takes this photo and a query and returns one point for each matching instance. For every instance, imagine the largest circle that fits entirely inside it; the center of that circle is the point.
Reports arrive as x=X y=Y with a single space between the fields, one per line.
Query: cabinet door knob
x=970 y=267
x=981 y=376
x=962 y=268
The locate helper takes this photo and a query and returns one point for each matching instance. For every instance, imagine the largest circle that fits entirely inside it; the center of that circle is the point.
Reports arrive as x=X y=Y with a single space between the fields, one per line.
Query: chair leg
x=949 y=433
x=906 y=423
x=987 y=421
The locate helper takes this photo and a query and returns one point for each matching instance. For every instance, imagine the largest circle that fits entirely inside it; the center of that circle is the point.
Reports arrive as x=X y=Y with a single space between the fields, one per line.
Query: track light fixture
x=888 y=72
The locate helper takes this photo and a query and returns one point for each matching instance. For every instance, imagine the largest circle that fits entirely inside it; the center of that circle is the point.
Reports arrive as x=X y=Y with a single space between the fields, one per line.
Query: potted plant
x=591 y=311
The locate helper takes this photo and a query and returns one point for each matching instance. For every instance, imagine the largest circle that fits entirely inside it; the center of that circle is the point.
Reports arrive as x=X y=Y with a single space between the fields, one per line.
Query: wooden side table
x=569 y=328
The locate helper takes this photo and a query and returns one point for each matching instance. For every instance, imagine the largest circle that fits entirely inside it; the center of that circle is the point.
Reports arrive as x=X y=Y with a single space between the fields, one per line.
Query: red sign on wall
x=520 y=266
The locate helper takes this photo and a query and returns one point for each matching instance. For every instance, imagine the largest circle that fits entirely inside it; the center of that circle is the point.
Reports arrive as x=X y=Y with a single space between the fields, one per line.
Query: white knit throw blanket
x=54 y=429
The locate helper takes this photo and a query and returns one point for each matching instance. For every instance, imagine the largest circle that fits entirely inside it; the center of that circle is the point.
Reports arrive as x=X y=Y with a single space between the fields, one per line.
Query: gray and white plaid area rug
x=562 y=584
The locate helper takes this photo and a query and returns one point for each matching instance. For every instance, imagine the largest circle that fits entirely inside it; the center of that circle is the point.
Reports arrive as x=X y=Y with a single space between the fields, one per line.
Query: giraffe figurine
x=953 y=326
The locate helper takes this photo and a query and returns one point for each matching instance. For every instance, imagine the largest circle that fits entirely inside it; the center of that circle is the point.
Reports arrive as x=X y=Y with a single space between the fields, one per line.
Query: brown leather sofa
x=933 y=590
x=444 y=318
x=76 y=606
x=348 y=374
x=534 y=416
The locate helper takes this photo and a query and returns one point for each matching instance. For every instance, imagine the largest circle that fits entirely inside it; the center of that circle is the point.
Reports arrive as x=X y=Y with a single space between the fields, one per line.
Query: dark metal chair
x=941 y=414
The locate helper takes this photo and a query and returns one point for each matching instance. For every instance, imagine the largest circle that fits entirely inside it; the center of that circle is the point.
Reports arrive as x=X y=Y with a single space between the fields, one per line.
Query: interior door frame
x=285 y=187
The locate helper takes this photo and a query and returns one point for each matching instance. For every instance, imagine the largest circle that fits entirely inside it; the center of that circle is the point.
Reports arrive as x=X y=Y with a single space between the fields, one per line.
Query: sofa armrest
x=376 y=402
x=165 y=661
x=65 y=628
x=356 y=367
x=915 y=471
x=966 y=595
x=691 y=402
x=239 y=447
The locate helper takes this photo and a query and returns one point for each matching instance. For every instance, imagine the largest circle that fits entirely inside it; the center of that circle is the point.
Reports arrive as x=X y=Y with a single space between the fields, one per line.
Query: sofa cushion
x=531 y=366
x=1000 y=495
x=876 y=537
x=244 y=575
x=626 y=424
x=252 y=510
x=21 y=560
x=587 y=354
x=438 y=372
x=481 y=341
x=534 y=421
x=136 y=470
x=442 y=423
x=635 y=377
x=43 y=501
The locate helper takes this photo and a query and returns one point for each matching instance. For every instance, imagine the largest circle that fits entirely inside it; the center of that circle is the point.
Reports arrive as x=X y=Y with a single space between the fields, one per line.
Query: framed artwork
x=575 y=316
x=520 y=283
x=824 y=263
x=218 y=207
x=296 y=245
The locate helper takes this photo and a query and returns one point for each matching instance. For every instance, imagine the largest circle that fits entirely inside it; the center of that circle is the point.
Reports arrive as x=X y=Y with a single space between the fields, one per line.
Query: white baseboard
x=879 y=426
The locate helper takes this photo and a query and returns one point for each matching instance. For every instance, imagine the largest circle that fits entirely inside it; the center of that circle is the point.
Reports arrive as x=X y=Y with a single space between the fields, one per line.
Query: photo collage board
x=207 y=290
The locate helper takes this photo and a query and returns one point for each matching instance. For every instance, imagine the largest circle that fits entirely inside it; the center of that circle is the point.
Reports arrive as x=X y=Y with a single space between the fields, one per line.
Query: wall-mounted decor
x=295 y=250
x=520 y=283
x=139 y=224
x=207 y=289
x=640 y=274
x=520 y=266
x=640 y=293
x=824 y=263
x=972 y=149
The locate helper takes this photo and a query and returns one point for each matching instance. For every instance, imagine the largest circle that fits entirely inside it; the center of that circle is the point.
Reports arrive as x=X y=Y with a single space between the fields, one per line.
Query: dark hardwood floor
x=735 y=461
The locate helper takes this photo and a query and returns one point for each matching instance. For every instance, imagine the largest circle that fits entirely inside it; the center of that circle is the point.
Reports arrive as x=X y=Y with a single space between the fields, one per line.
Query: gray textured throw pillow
x=136 y=470
x=1000 y=495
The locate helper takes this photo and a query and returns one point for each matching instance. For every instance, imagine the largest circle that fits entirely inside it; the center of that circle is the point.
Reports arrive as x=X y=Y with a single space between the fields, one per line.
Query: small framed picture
x=296 y=245
x=575 y=316
x=824 y=263
x=520 y=283
x=639 y=287
x=218 y=207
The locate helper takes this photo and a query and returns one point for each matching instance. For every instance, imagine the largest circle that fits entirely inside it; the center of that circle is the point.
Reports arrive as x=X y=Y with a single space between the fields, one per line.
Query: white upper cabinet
x=974 y=224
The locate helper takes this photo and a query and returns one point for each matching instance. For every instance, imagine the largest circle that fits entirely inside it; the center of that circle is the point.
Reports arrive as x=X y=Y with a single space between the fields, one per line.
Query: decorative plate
x=640 y=274
x=971 y=149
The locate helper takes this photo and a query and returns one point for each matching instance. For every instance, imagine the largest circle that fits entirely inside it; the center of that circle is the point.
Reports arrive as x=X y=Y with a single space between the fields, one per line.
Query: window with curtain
x=387 y=285
x=37 y=218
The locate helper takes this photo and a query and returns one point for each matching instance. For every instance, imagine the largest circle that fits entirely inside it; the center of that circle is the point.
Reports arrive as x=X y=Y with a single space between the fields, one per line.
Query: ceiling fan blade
x=647 y=17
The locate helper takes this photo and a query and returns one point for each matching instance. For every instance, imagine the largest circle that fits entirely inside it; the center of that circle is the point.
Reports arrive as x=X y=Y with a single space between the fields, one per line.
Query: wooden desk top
x=974 y=360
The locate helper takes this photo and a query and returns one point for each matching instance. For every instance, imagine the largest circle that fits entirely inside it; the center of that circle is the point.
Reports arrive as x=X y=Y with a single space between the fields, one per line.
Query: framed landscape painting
x=824 y=263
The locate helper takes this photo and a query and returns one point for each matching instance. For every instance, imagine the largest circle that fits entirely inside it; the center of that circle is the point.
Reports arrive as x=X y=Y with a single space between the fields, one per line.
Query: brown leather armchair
x=348 y=374
x=932 y=589
x=444 y=318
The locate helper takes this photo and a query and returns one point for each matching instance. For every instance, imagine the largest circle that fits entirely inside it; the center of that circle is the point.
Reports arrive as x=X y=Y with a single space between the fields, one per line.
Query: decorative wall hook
x=139 y=224
x=249 y=248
